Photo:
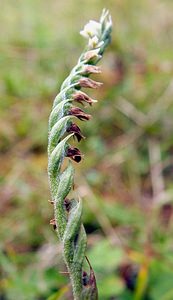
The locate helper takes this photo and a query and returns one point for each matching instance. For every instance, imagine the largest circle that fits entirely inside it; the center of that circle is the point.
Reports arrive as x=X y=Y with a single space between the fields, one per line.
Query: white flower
x=94 y=42
x=91 y=29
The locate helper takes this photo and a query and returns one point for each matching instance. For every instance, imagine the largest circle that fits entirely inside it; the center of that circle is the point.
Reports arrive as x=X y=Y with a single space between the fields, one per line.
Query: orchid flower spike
x=68 y=212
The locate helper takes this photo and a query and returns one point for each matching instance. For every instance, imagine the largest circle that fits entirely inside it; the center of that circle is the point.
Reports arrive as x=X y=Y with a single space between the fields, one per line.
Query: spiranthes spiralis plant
x=62 y=127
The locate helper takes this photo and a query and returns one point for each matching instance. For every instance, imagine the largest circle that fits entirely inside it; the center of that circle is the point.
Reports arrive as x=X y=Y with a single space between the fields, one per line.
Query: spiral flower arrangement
x=67 y=212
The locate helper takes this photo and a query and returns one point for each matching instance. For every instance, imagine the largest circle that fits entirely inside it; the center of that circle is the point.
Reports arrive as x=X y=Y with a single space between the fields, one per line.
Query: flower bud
x=89 y=83
x=90 y=69
x=92 y=54
x=67 y=204
x=73 y=128
x=79 y=113
x=51 y=201
x=89 y=284
x=53 y=222
x=105 y=14
x=74 y=154
x=85 y=278
x=82 y=97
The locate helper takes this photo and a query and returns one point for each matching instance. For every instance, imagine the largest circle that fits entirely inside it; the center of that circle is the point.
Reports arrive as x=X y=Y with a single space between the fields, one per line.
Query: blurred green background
x=125 y=178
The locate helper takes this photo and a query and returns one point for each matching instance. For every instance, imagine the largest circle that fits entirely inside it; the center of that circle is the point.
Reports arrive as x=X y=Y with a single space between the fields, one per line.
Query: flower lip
x=73 y=128
x=74 y=154
x=91 y=69
x=79 y=113
x=67 y=204
x=92 y=54
x=89 y=83
x=51 y=201
x=81 y=97
x=53 y=222
x=95 y=43
x=85 y=278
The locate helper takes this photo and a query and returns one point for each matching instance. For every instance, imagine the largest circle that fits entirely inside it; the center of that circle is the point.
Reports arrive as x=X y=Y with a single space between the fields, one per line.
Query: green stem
x=76 y=280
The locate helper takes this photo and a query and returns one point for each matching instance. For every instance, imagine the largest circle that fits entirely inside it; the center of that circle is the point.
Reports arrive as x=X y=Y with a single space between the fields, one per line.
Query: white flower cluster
x=92 y=30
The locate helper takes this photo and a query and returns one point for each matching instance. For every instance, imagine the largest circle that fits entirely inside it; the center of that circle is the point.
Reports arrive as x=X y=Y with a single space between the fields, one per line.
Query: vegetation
x=125 y=178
